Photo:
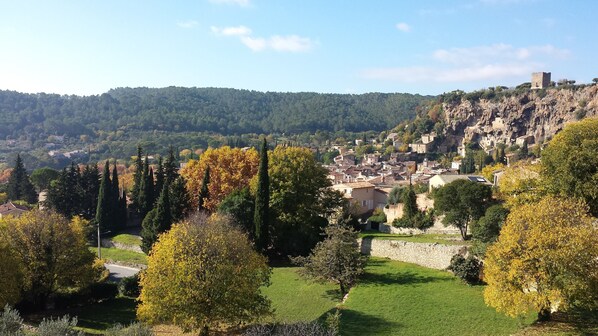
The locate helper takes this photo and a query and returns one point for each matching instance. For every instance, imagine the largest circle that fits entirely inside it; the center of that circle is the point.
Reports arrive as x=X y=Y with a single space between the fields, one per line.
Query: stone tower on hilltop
x=540 y=80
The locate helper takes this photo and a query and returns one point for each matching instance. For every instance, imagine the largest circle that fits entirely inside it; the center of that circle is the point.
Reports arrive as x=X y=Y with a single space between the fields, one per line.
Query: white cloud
x=187 y=24
x=242 y=3
x=289 y=43
x=231 y=31
x=402 y=26
x=471 y=64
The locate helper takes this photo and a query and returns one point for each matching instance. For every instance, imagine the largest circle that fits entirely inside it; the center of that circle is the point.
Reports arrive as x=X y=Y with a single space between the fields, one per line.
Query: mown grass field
x=113 y=255
x=127 y=239
x=393 y=298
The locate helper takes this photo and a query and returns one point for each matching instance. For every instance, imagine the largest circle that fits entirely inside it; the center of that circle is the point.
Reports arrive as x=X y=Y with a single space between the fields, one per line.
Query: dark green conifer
x=204 y=193
x=19 y=185
x=159 y=175
x=104 y=216
x=137 y=179
x=170 y=167
x=180 y=201
x=262 y=201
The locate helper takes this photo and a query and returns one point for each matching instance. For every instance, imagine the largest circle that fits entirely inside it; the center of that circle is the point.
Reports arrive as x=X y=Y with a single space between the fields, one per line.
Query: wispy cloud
x=187 y=24
x=242 y=3
x=470 y=64
x=404 y=27
x=289 y=43
x=231 y=31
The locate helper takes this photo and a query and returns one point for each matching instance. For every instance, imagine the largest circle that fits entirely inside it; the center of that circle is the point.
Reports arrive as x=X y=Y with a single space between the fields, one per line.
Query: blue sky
x=428 y=47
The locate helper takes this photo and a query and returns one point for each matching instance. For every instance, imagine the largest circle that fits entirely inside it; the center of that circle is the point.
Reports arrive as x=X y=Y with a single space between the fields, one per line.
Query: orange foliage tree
x=230 y=169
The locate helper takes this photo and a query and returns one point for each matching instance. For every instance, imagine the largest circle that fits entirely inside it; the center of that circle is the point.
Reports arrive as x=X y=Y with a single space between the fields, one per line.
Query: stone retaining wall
x=431 y=255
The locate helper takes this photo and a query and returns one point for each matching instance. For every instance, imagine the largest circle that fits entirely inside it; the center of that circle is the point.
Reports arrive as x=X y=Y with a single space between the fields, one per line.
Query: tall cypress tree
x=410 y=203
x=163 y=220
x=204 y=193
x=90 y=187
x=116 y=199
x=149 y=192
x=262 y=201
x=104 y=217
x=170 y=167
x=19 y=185
x=137 y=179
x=159 y=175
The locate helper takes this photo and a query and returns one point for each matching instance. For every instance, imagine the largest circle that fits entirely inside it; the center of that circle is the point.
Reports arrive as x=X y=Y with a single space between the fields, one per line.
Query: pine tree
x=180 y=201
x=137 y=179
x=262 y=201
x=19 y=185
x=204 y=193
x=170 y=167
x=104 y=216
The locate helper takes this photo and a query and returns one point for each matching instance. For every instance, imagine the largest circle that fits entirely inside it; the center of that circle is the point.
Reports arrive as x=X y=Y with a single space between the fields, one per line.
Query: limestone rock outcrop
x=534 y=116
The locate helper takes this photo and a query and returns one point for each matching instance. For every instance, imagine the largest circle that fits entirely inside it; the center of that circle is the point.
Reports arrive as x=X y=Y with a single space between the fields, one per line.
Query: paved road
x=118 y=272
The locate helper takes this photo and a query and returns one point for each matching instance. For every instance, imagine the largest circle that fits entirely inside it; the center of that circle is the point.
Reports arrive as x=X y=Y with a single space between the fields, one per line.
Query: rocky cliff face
x=533 y=116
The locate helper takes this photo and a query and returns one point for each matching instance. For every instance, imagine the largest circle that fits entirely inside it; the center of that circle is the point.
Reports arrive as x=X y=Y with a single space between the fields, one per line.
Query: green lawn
x=397 y=298
x=423 y=238
x=116 y=255
x=295 y=299
x=127 y=239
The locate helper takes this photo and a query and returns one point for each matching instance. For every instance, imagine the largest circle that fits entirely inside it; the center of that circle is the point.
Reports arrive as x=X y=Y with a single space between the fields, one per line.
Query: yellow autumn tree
x=546 y=258
x=488 y=171
x=53 y=252
x=230 y=169
x=11 y=274
x=521 y=184
x=204 y=274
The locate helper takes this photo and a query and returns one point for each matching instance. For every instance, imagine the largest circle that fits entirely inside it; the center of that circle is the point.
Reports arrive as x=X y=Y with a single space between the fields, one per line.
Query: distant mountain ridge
x=180 y=109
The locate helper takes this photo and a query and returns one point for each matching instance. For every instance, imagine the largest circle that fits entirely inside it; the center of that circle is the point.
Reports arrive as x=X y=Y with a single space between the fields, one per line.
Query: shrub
x=134 y=329
x=331 y=328
x=580 y=113
x=94 y=293
x=59 y=327
x=468 y=269
x=10 y=322
x=129 y=286
x=379 y=216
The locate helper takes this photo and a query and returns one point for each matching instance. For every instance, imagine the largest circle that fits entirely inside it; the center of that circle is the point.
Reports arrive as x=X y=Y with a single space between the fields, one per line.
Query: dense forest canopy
x=179 y=109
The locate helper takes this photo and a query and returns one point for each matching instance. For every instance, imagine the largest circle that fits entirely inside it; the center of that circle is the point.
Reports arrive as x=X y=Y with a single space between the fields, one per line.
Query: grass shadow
x=333 y=294
x=402 y=278
x=353 y=322
x=104 y=315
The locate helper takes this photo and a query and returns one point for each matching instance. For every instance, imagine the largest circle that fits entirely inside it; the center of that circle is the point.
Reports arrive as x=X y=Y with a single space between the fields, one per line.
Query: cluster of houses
x=368 y=183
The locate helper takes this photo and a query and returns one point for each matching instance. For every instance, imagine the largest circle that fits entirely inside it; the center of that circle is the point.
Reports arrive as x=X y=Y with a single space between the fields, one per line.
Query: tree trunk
x=343 y=289
x=205 y=331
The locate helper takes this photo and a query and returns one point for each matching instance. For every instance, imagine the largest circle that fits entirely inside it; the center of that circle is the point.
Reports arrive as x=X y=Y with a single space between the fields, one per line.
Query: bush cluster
x=468 y=269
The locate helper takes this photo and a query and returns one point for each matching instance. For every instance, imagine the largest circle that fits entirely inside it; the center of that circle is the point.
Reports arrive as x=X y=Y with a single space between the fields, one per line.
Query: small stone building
x=540 y=80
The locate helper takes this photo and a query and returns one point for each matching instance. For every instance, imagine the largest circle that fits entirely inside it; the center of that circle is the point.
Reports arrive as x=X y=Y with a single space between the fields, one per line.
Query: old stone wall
x=437 y=256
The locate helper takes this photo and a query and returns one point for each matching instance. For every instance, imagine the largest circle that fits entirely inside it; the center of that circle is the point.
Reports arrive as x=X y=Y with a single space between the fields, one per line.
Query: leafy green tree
x=262 y=202
x=570 y=163
x=395 y=196
x=19 y=185
x=462 y=202
x=300 y=200
x=487 y=228
x=240 y=205
x=337 y=258
x=104 y=212
x=204 y=274
x=11 y=275
x=546 y=257
x=204 y=192
x=42 y=177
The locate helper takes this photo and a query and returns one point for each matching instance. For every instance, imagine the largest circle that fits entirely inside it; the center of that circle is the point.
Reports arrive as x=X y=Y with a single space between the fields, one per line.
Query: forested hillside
x=178 y=109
